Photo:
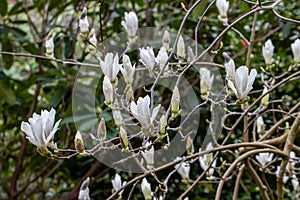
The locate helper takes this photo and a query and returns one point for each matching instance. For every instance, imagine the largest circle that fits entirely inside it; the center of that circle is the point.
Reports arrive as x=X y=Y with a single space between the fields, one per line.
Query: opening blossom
x=264 y=158
x=149 y=155
x=206 y=161
x=130 y=24
x=242 y=83
x=84 y=190
x=229 y=67
x=111 y=67
x=127 y=70
x=223 y=6
x=117 y=184
x=183 y=169
x=146 y=189
x=84 y=24
x=147 y=58
x=296 y=50
x=141 y=111
x=268 y=51
x=41 y=129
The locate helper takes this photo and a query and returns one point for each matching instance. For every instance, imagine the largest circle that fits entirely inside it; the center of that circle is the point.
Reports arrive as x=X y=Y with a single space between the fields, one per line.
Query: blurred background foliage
x=29 y=84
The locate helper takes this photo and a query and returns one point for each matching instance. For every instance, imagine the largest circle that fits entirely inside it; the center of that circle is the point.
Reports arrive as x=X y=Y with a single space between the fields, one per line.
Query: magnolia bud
x=162 y=125
x=180 y=47
x=189 y=145
x=166 y=40
x=79 y=145
x=129 y=95
x=268 y=51
x=49 y=45
x=296 y=50
x=117 y=117
x=260 y=125
x=265 y=99
x=206 y=82
x=101 y=130
x=93 y=41
x=191 y=55
x=123 y=138
x=108 y=91
x=84 y=23
x=175 y=101
x=162 y=58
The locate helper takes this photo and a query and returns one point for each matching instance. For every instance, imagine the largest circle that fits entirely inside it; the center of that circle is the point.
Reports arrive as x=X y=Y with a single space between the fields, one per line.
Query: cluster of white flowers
x=41 y=128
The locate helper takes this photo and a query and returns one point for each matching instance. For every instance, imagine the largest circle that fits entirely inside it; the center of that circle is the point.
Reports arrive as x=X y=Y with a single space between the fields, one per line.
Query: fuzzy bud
x=189 y=145
x=49 y=45
x=265 y=99
x=101 y=130
x=79 y=145
x=84 y=23
x=181 y=47
x=166 y=40
x=123 y=138
x=296 y=50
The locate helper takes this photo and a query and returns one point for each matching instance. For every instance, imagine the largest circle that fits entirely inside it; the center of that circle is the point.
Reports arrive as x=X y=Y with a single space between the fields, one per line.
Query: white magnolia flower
x=296 y=50
x=141 y=111
x=146 y=189
x=206 y=161
x=285 y=177
x=83 y=21
x=229 y=68
x=130 y=24
x=117 y=117
x=268 y=51
x=181 y=47
x=183 y=169
x=242 y=83
x=127 y=70
x=84 y=190
x=117 y=184
x=108 y=91
x=147 y=58
x=260 y=125
x=110 y=66
x=206 y=82
x=149 y=155
x=162 y=58
x=264 y=158
x=222 y=6
x=41 y=128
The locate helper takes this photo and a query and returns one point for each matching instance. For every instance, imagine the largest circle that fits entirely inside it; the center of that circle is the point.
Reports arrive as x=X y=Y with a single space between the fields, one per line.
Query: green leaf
x=17 y=8
x=57 y=97
x=7 y=93
x=3 y=7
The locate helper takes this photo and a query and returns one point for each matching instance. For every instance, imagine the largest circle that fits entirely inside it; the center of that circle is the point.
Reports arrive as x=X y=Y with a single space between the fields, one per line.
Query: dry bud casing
x=123 y=138
x=101 y=130
x=79 y=145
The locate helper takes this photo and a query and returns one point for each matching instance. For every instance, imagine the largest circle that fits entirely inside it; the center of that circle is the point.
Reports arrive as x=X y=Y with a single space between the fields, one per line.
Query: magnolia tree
x=155 y=112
